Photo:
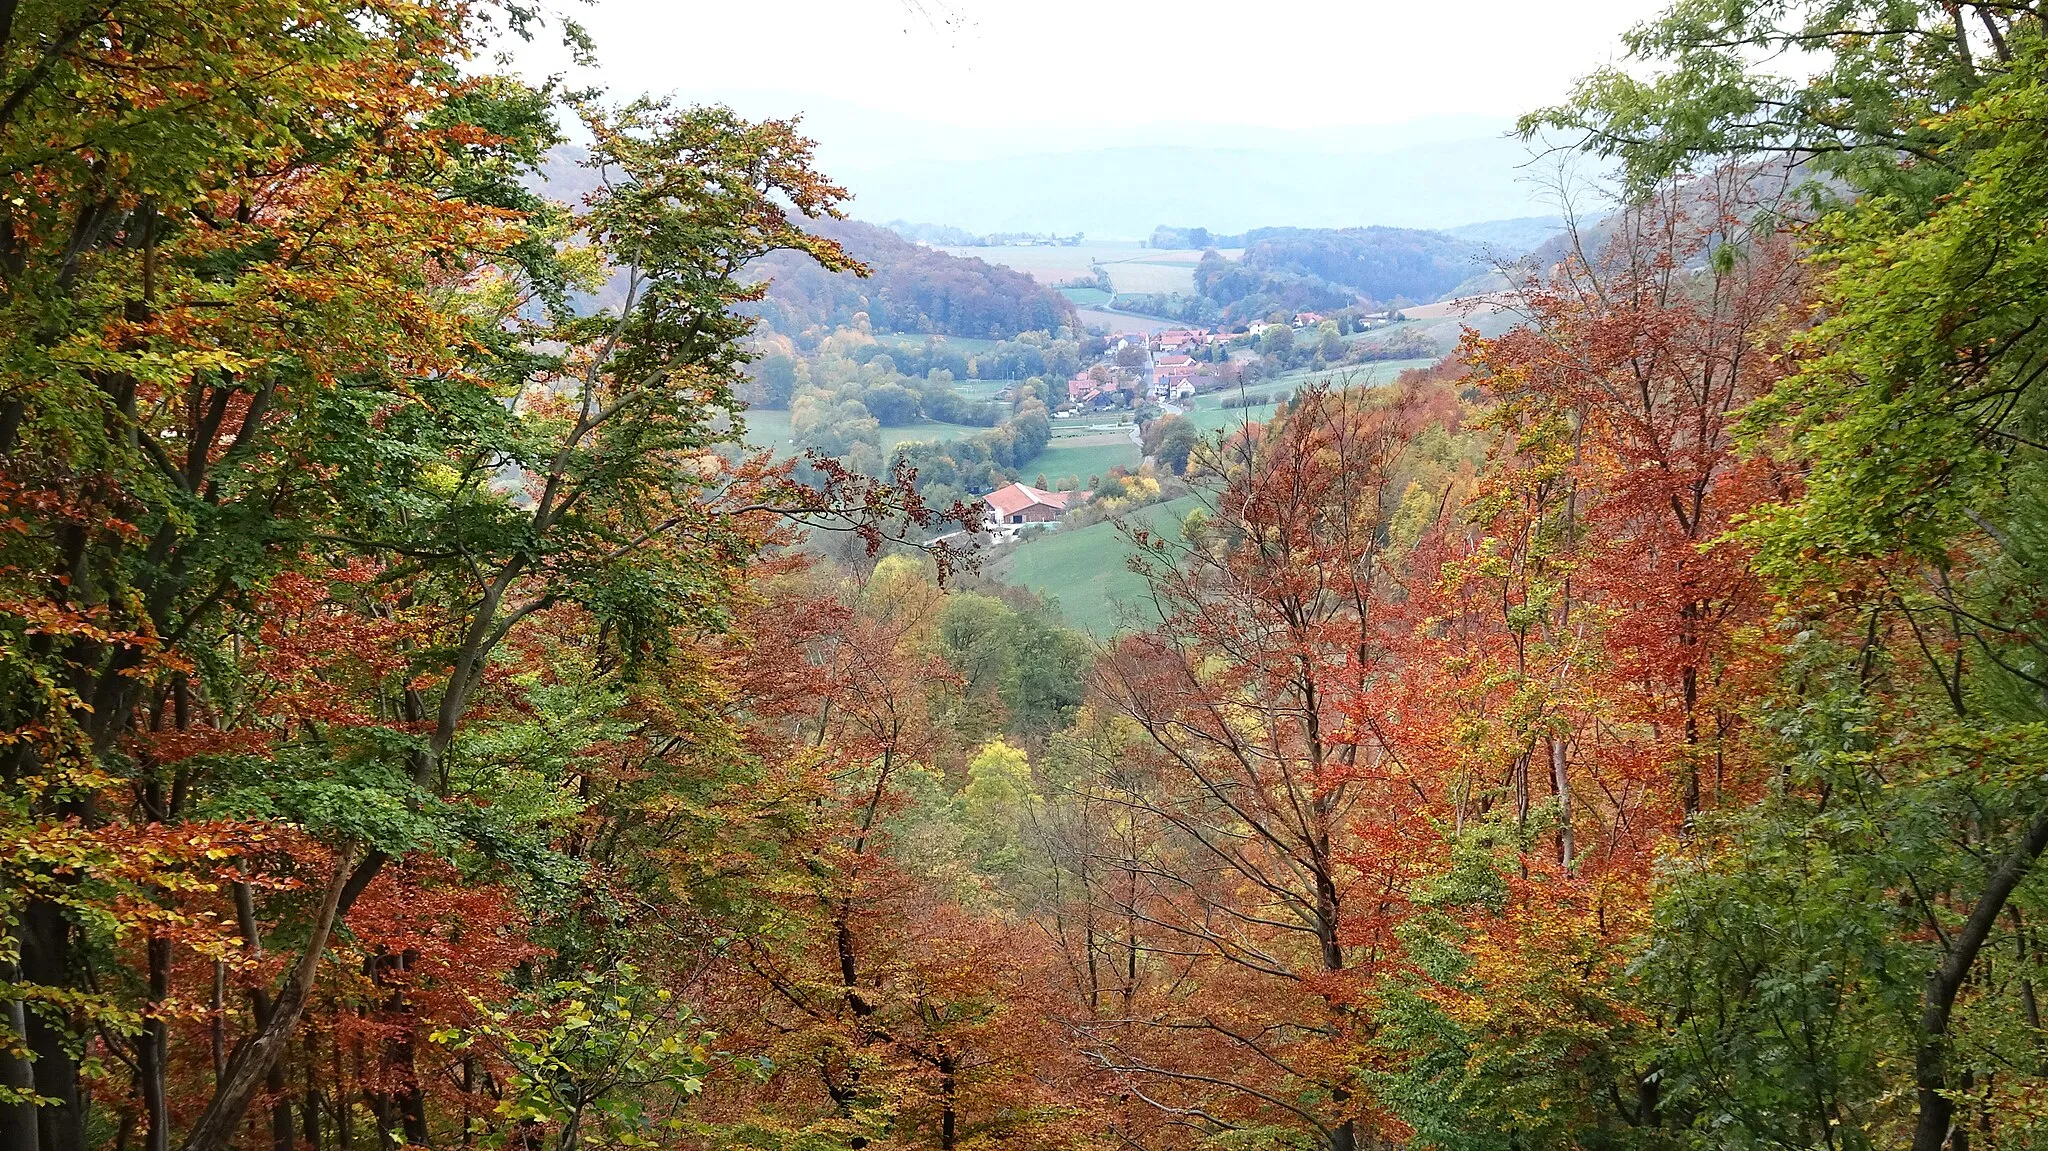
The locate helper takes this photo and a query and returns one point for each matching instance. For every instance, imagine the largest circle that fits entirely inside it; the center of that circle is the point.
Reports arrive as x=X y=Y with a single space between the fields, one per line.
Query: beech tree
x=299 y=431
x=1275 y=870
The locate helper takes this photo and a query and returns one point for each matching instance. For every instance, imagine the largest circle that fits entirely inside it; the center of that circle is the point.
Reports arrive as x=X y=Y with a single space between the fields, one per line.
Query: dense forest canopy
x=1288 y=270
x=907 y=287
x=428 y=725
x=1383 y=264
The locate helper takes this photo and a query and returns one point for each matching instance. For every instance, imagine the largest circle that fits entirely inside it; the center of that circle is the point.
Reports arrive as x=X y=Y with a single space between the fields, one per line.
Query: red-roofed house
x=1023 y=504
x=1168 y=371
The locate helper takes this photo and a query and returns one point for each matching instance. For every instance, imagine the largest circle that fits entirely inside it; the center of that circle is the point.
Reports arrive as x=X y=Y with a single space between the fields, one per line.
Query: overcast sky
x=886 y=80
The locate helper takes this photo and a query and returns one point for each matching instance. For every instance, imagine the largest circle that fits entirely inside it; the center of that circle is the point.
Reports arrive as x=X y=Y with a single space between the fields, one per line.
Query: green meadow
x=1087 y=570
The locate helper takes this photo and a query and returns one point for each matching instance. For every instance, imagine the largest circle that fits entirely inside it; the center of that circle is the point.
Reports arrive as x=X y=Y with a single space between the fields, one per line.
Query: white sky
x=884 y=80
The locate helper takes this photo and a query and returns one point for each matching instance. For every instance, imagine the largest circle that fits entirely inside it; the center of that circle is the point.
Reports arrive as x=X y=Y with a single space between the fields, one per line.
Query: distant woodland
x=906 y=288
x=1288 y=270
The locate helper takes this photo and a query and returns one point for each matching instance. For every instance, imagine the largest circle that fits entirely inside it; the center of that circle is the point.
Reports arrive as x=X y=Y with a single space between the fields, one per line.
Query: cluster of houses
x=1169 y=372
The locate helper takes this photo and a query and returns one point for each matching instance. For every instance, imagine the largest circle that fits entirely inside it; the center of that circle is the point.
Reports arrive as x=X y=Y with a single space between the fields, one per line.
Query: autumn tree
x=1274 y=863
x=299 y=432
x=1882 y=890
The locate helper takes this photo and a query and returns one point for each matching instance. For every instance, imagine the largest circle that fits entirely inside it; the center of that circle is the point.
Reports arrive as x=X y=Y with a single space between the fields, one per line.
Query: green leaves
x=598 y=1059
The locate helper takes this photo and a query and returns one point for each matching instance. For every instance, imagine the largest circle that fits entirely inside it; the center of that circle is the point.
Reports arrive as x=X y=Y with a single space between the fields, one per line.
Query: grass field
x=1123 y=321
x=1148 y=276
x=980 y=389
x=1209 y=418
x=1356 y=375
x=1209 y=413
x=1081 y=457
x=1086 y=570
x=1095 y=424
x=1132 y=266
x=930 y=431
x=1086 y=297
x=769 y=428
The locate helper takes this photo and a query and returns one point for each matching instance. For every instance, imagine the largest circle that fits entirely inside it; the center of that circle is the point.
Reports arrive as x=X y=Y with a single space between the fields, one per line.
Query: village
x=1148 y=376
x=1168 y=366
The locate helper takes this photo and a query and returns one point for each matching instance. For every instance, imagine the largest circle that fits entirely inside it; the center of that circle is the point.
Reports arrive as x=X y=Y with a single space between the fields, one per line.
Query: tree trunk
x=1689 y=690
x=1561 y=782
x=251 y=1064
x=1930 y=1062
x=17 y=1120
x=152 y=1049
x=283 y=1132
x=949 y=1095
x=310 y=1108
x=46 y=960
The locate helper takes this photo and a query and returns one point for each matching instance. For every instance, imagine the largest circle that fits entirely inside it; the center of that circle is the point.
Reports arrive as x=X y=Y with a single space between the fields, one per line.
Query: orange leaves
x=1394 y=697
x=328 y=643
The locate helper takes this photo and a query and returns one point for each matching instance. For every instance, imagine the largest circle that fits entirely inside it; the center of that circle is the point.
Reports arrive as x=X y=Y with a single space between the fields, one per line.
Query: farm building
x=1024 y=504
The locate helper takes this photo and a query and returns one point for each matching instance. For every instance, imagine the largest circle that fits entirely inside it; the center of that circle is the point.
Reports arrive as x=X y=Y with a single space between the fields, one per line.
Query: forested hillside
x=429 y=724
x=1383 y=264
x=907 y=288
x=1287 y=270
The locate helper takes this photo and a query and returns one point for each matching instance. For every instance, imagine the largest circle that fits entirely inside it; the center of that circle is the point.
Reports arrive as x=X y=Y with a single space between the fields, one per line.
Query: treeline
x=969 y=466
x=1386 y=265
x=1166 y=236
x=849 y=386
x=372 y=618
x=907 y=288
x=784 y=365
x=1635 y=742
x=945 y=235
x=1287 y=270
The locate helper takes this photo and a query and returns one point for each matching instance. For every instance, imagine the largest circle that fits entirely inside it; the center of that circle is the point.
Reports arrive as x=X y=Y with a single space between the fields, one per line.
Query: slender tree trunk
x=344 y=1106
x=1329 y=911
x=1930 y=1062
x=1519 y=780
x=949 y=1096
x=1689 y=688
x=46 y=960
x=217 y=1026
x=283 y=1133
x=310 y=1109
x=397 y=1065
x=17 y=1120
x=153 y=1047
x=1561 y=782
x=7 y=11
x=253 y=1060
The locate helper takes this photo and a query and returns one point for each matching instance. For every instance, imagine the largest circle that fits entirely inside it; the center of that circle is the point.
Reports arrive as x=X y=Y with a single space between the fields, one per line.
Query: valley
x=1069 y=408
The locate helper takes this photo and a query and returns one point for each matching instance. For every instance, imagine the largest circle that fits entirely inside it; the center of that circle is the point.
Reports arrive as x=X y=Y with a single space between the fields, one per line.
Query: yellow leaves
x=585 y=265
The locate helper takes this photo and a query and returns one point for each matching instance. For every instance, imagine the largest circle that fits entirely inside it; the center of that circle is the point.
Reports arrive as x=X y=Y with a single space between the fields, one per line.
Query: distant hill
x=1382 y=264
x=1507 y=239
x=1773 y=188
x=910 y=288
x=1288 y=270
